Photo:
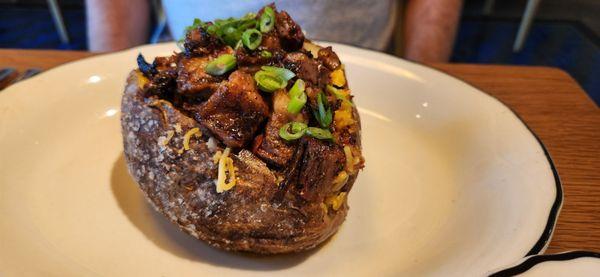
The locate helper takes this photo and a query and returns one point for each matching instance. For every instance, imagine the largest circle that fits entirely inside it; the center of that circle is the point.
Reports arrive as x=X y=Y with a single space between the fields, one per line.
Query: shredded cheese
x=225 y=168
x=340 y=180
x=325 y=212
x=178 y=128
x=336 y=201
x=349 y=159
x=158 y=104
x=217 y=156
x=188 y=135
x=337 y=77
x=343 y=116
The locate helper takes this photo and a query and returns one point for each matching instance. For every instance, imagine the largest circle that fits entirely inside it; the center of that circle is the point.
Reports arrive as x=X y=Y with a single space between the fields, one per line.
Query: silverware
x=7 y=75
x=27 y=74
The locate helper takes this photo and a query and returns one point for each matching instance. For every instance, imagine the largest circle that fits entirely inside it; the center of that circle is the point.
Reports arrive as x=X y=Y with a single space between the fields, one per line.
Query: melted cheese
x=337 y=77
x=349 y=159
x=225 y=168
x=188 y=135
x=159 y=104
x=340 y=180
x=336 y=201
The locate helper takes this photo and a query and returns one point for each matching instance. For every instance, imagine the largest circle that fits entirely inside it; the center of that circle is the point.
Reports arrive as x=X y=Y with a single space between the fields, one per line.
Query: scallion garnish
x=268 y=81
x=319 y=133
x=228 y=30
x=297 y=97
x=231 y=35
x=338 y=94
x=197 y=23
x=292 y=130
x=267 y=20
x=238 y=45
x=272 y=78
x=221 y=65
x=266 y=54
x=283 y=73
x=323 y=114
x=251 y=38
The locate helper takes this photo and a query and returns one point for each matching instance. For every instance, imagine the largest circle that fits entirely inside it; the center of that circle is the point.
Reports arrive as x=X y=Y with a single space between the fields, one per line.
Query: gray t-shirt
x=364 y=23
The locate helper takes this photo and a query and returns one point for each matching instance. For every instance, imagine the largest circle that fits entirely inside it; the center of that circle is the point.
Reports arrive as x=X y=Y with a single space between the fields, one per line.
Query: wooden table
x=551 y=103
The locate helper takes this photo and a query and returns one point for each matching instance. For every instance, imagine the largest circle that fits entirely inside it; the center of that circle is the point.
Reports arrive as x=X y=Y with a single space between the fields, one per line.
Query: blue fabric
x=34 y=28
x=550 y=43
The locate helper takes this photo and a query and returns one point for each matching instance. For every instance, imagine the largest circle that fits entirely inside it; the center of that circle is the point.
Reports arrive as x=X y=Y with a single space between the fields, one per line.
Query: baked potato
x=248 y=139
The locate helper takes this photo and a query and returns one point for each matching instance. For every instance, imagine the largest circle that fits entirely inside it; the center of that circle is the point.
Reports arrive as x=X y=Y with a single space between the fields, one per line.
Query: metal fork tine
x=6 y=76
x=28 y=74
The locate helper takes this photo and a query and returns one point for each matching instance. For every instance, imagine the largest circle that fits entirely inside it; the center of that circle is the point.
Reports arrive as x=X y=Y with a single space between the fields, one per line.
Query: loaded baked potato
x=248 y=139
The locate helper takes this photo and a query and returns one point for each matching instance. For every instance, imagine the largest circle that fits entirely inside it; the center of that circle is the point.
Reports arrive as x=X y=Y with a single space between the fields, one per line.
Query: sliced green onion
x=297 y=130
x=249 y=16
x=221 y=65
x=246 y=24
x=231 y=35
x=213 y=30
x=319 y=133
x=272 y=78
x=197 y=23
x=238 y=45
x=323 y=115
x=297 y=97
x=269 y=82
x=251 y=38
x=267 y=20
x=338 y=94
x=283 y=73
x=266 y=54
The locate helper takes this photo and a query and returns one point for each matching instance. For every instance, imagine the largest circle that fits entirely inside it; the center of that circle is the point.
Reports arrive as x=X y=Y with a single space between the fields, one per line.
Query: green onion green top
x=319 y=133
x=251 y=38
x=297 y=97
x=221 y=65
x=272 y=78
x=228 y=30
x=323 y=114
x=281 y=72
x=295 y=130
x=338 y=94
x=292 y=130
x=266 y=54
x=267 y=20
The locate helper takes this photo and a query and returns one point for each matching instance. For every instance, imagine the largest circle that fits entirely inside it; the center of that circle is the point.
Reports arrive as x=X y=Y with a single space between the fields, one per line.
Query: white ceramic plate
x=576 y=263
x=455 y=184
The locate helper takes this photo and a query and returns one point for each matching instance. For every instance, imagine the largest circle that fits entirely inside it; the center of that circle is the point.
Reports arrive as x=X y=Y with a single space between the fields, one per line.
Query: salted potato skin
x=180 y=183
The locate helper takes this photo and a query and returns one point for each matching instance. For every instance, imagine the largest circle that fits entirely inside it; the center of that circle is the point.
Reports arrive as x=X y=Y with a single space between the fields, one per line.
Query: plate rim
x=546 y=235
x=534 y=260
x=544 y=240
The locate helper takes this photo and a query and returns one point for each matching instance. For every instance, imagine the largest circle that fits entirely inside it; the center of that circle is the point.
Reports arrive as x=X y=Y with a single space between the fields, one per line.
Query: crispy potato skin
x=180 y=184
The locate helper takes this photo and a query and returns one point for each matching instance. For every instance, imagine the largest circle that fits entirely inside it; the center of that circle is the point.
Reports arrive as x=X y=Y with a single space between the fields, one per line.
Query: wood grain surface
x=550 y=102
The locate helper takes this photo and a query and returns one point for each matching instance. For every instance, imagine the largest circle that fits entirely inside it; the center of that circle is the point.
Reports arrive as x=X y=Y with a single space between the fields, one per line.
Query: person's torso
x=365 y=23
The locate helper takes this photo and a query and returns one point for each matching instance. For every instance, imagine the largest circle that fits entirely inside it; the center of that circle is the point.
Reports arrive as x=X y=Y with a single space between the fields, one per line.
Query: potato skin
x=180 y=184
